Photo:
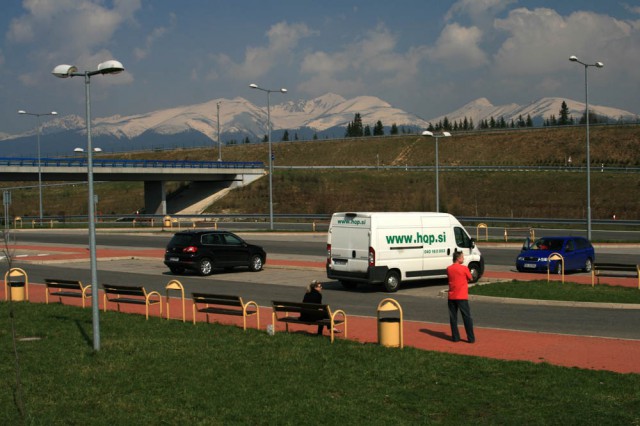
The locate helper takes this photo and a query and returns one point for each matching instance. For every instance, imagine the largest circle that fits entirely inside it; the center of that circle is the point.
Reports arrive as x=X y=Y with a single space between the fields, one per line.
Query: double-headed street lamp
x=65 y=71
x=38 y=115
x=438 y=136
x=586 y=101
x=269 y=91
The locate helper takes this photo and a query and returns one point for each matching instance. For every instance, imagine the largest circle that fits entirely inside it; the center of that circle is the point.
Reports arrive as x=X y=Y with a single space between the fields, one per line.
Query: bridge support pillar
x=155 y=197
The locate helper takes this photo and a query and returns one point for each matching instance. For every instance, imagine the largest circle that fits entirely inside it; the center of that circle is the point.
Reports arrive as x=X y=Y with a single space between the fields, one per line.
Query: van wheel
x=474 y=268
x=349 y=284
x=392 y=281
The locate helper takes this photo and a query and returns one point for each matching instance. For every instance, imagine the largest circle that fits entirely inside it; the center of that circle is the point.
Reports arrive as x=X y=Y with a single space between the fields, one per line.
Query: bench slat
x=220 y=303
x=142 y=297
x=66 y=288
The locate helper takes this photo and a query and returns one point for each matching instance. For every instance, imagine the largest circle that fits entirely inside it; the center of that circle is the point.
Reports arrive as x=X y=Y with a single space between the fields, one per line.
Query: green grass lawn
x=169 y=372
x=556 y=290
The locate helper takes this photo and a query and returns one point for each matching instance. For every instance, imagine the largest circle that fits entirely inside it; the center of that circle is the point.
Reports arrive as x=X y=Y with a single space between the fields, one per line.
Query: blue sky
x=428 y=57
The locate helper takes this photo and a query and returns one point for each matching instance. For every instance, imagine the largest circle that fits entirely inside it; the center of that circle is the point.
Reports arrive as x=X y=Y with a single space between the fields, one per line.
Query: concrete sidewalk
x=619 y=355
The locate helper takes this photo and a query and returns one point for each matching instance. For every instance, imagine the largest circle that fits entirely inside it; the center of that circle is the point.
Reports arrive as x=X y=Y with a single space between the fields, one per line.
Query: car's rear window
x=181 y=240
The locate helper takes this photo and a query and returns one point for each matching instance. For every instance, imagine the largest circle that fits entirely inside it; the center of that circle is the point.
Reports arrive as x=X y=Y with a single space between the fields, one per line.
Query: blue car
x=578 y=254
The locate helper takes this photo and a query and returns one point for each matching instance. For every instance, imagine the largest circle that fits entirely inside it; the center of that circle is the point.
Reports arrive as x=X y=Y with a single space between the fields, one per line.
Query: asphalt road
x=420 y=301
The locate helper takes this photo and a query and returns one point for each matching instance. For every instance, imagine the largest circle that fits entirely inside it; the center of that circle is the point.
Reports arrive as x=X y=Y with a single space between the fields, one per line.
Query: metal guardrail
x=462 y=168
x=97 y=162
x=496 y=222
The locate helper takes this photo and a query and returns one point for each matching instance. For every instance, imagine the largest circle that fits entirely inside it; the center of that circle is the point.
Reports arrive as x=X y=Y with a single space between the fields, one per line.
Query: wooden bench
x=136 y=295
x=614 y=270
x=281 y=311
x=66 y=288
x=224 y=305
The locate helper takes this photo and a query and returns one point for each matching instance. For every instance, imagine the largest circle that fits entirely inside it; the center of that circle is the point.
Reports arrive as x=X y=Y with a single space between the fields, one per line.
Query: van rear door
x=350 y=248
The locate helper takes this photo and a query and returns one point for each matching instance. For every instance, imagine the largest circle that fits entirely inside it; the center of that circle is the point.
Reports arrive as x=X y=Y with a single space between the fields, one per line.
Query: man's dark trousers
x=463 y=306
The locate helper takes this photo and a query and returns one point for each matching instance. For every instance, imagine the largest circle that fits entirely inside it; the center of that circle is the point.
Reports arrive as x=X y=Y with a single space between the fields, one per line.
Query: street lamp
x=65 y=71
x=269 y=91
x=586 y=101
x=445 y=135
x=38 y=115
x=219 y=143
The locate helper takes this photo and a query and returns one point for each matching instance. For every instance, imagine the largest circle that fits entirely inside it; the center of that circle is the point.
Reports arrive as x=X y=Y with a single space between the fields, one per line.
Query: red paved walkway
x=617 y=355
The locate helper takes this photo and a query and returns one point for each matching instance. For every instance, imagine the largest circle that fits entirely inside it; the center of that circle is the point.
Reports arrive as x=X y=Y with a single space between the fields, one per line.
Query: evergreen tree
x=394 y=129
x=446 y=124
x=315 y=136
x=492 y=123
x=378 y=129
x=285 y=136
x=564 y=114
x=355 y=129
x=367 y=130
x=529 y=122
x=265 y=139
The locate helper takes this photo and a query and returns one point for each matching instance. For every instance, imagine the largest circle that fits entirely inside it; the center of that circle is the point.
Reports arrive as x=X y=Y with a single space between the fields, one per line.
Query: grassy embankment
x=158 y=371
x=493 y=194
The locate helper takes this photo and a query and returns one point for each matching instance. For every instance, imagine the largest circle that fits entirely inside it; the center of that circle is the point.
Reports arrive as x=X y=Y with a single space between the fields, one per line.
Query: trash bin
x=167 y=222
x=390 y=328
x=16 y=285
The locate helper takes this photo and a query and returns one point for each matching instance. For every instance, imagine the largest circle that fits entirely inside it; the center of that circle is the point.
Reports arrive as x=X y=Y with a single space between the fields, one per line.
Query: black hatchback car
x=202 y=251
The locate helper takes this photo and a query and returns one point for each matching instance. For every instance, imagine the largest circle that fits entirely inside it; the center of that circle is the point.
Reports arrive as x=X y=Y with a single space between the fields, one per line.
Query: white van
x=388 y=248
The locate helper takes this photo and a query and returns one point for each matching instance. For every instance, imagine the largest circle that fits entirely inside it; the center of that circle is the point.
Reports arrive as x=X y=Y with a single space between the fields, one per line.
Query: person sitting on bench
x=313 y=295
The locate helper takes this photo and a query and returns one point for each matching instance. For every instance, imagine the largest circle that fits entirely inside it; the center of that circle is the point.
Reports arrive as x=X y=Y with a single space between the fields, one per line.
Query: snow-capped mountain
x=540 y=110
x=327 y=115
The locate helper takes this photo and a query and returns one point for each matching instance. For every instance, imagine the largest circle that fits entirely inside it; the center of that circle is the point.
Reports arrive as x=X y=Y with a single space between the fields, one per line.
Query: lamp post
x=445 y=135
x=65 y=71
x=81 y=152
x=586 y=101
x=219 y=143
x=269 y=91
x=38 y=115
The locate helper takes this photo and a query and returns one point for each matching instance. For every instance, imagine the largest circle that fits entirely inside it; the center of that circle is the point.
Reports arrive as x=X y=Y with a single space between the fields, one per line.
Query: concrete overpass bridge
x=207 y=178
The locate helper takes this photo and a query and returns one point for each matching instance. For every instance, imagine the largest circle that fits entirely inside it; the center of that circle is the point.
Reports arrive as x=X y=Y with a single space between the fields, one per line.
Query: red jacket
x=459 y=277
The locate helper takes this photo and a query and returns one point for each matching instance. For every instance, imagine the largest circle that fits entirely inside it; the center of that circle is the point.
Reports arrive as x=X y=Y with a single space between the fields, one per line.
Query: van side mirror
x=473 y=243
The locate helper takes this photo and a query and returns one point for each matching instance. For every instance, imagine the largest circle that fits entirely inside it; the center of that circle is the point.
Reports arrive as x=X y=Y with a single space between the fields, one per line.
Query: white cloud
x=541 y=40
x=282 y=38
x=156 y=34
x=480 y=12
x=370 y=62
x=458 y=46
x=66 y=30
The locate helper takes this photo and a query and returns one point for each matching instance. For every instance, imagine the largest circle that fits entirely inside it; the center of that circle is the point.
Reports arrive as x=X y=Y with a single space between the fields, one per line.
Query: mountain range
x=324 y=117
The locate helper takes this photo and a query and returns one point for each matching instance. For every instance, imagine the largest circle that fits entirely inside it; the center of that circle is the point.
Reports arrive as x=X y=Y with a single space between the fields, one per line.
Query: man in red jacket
x=459 y=277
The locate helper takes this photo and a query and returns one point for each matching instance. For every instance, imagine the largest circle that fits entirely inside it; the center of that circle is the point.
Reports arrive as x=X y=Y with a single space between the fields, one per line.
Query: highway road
x=420 y=301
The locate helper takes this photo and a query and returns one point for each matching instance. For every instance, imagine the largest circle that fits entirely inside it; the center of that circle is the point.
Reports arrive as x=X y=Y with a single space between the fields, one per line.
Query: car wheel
x=349 y=284
x=176 y=270
x=588 y=265
x=519 y=268
x=205 y=267
x=392 y=281
x=256 y=264
x=474 y=268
